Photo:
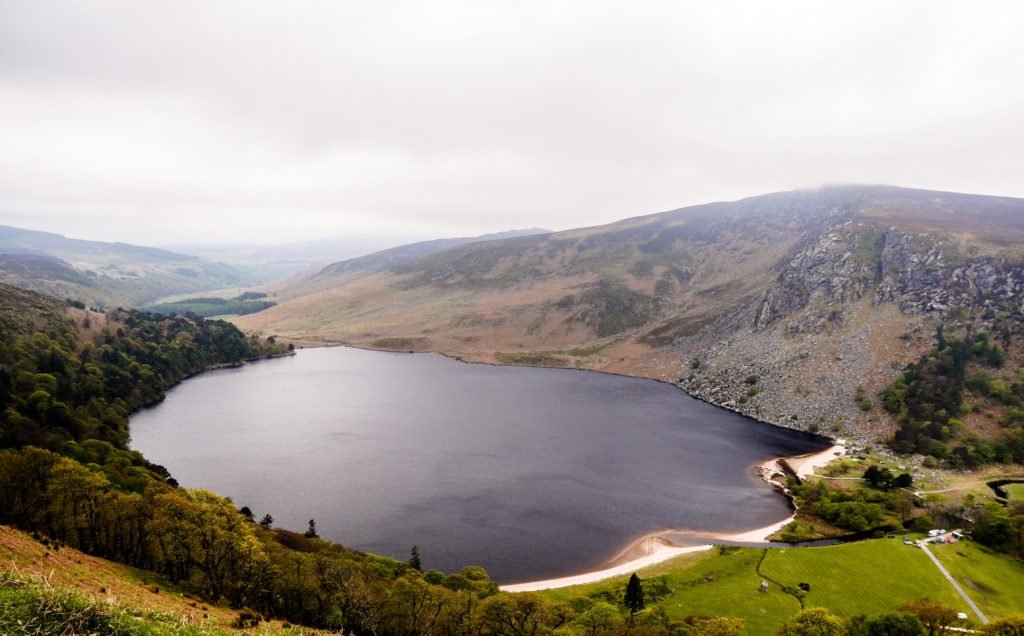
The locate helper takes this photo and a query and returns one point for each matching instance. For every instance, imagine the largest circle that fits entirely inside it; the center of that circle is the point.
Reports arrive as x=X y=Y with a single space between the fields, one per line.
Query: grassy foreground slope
x=867 y=577
x=53 y=589
x=1016 y=491
x=993 y=581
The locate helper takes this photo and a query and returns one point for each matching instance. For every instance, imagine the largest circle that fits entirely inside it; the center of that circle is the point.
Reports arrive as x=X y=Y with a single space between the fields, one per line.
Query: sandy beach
x=802 y=465
x=655 y=548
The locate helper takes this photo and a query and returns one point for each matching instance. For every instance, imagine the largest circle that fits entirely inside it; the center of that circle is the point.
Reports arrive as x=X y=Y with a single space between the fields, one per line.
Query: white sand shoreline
x=802 y=466
x=659 y=550
x=655 y=548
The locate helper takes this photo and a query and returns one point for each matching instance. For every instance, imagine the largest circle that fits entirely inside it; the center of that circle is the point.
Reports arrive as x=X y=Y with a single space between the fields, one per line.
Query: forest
x=69 y=385
x=962 y=375
x=204 y=307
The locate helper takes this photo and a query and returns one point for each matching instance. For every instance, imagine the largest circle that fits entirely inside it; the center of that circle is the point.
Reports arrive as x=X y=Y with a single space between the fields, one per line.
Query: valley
x=102 y=274
x=511 y=318
x=885 y=316
x=821 y=295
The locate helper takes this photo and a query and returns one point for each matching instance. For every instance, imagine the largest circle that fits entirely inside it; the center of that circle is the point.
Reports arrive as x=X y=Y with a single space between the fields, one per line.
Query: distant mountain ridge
x=268 y=263
x=404 y=254
x=15 y=238
x=104 y=274
x=811 y=292
x=410 y=253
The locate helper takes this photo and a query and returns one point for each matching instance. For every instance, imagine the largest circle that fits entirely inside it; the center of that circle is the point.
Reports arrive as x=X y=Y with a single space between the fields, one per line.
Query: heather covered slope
x=569 y=288
x=812 y=291
x=352 y=269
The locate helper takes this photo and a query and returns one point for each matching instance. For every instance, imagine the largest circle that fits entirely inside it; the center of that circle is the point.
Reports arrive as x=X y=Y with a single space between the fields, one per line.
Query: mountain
x=104 y=274
x=267 y=263
x=344 y=271
x=352 y=269
x=780 y=306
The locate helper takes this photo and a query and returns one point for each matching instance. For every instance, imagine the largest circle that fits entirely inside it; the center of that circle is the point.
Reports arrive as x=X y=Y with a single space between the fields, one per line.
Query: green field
x=994 y=581
x=715 y=583
x=1015 y=491
x=866 y=577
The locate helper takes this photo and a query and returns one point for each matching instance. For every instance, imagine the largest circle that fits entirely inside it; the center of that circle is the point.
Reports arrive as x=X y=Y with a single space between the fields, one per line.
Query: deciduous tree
x=934 y=616
x=813 y=622
x=1012 y=625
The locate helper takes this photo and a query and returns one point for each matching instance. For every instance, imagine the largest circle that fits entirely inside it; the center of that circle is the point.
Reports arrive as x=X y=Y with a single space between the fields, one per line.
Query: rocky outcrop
x=824 y=276
x=921 y=273
x=925 y=276
x=850 y=308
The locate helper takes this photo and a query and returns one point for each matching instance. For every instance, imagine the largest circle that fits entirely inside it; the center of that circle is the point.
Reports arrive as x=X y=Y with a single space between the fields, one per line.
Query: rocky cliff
x=848 y=311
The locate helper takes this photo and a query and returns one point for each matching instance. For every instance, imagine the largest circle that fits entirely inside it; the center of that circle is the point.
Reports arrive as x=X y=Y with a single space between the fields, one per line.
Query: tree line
x=204 y=307
x=886 y=504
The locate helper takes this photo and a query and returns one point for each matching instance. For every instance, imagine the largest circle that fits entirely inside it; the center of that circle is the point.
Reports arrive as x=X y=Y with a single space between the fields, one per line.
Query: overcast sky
x=157 y=122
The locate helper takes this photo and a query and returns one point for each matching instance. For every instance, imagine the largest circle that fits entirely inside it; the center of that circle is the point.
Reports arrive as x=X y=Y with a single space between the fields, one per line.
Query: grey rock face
x=826 y=331
x=824 y=275
x=922 y=274
x=926 y=282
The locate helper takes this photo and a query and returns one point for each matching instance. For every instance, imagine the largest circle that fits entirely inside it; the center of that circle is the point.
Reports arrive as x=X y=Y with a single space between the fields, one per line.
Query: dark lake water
x=530 y=473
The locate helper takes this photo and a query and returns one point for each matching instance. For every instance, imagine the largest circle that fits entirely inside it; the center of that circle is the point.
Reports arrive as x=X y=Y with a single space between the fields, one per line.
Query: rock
x=804 y=325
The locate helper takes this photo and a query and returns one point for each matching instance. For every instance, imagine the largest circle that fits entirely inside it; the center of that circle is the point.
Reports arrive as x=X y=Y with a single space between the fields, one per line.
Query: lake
x=530 y=473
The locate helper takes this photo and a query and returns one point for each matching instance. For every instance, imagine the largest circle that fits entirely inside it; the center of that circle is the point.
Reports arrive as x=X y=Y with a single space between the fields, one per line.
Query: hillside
x=779 y=306
x=349 y=270
x=269 y=263
x=103 y=274
x=66 y=568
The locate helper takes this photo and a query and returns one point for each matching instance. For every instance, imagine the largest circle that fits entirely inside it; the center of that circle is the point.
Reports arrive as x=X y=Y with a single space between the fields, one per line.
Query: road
x=956 y=586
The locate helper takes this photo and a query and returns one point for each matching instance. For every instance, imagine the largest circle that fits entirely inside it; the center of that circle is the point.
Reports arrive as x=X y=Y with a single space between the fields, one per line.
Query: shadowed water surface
x=531 y=473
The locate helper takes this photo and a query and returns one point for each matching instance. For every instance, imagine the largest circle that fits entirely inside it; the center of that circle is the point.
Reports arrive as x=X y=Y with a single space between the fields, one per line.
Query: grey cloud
x=460 y=117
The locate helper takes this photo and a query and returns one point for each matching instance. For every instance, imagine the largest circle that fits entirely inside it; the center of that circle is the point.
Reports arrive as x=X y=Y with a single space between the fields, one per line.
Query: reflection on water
x=531 y=473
